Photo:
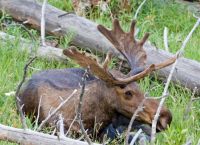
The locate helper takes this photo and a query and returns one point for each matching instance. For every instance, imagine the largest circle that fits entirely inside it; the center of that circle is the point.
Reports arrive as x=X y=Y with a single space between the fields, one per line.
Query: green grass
x=154 y=16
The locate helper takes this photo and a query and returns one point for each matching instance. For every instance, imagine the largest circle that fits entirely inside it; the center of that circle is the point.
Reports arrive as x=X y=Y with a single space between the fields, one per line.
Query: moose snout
x=148 y=114
x=164 y=120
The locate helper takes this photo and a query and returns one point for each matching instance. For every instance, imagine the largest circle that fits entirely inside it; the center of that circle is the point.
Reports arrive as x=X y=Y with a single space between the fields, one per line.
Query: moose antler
x=126 y=44
x=102 y=71
x=129 y=47
x=94 y=67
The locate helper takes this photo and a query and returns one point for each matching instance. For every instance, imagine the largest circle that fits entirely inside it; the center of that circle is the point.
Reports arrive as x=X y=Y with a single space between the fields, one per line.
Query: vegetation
x=153 y=17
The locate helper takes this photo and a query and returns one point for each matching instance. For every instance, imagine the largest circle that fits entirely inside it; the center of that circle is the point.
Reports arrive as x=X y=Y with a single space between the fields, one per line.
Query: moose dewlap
x=108 y=93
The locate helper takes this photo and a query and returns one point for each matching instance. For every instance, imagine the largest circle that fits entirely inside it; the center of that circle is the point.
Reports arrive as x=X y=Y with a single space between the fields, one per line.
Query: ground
x=154 y=16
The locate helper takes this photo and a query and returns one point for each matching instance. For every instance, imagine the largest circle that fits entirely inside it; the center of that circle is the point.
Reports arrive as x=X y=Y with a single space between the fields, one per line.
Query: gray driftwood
x=86 y=35
x=29 y=137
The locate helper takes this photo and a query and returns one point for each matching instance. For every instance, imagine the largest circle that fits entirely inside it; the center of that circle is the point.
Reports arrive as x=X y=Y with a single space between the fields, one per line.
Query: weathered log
x=29 y=137
x=47 y=52
x=86 y=35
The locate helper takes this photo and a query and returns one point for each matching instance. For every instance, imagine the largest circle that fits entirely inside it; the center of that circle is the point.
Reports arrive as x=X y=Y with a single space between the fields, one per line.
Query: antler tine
x=148 y=70
x=138 y=76
x=132 y=29
x=144 y=39
x=107 y=60
x=116 y=27
x=165 y=63
x=108 y=34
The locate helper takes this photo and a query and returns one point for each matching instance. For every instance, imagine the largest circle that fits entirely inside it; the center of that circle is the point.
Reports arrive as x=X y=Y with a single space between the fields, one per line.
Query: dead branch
x=138 y=9
x=55 y=111
x=136 y=136
x=19 y=107
x=38 y=114
x=166 y=39
x=195 y=99
x=75 y=119
x=178 y=54
x=29 y=137
x=61 y=127
x=138 y=110
x=80 y=106
x=43 y=23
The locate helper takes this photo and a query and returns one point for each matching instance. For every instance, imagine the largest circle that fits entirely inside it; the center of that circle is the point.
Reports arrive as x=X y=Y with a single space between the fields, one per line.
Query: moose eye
x=128 y=95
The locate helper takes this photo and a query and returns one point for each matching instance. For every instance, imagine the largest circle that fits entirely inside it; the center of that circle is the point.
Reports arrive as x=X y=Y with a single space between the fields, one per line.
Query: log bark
x=29 y=137
x=86 y=35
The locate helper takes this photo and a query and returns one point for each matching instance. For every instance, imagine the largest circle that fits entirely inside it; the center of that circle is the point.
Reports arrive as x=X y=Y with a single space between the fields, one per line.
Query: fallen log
x=86 y=35
x=29 y=137
x=47 y=52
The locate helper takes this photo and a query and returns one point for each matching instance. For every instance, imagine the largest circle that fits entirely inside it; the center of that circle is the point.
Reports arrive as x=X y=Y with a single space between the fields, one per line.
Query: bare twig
x=195 y=99
x=12 y=93
x=43 y=23
x=166 y=39
x=139 y=109
x=80 y=106
x=19 y=108
x=38 y=115
x=137 y=11
x=111 y=14
x=136 y=136
x=188 y=107
x=54 y=131
x=178 y=54
x=75 y=118
x=61 y=127
x=56 y=110
x=56 y=30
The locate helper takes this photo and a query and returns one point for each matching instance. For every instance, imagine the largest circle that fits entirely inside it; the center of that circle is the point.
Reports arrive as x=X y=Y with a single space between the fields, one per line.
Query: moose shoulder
x=107 y=92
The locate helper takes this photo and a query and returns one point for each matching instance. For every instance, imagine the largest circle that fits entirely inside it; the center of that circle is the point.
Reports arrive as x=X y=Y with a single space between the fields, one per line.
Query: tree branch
x=80 y=106
x=139 y=109
x=178 y=54
x=19 y=107
x=43 y=23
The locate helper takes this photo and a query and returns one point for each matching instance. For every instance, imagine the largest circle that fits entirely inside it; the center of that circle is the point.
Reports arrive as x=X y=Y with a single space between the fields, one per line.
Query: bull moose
x=108 y=93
